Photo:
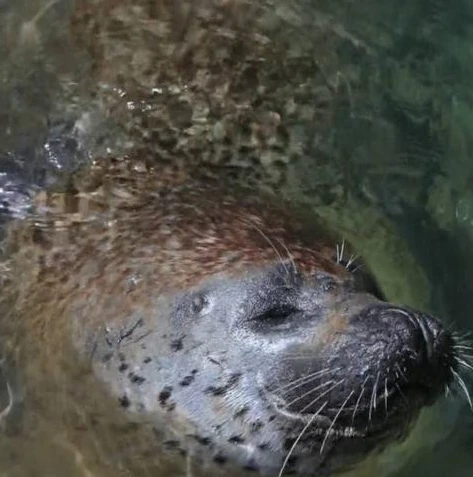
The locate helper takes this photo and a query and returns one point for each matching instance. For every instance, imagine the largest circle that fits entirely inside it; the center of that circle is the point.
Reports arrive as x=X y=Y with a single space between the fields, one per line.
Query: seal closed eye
x=189 y=323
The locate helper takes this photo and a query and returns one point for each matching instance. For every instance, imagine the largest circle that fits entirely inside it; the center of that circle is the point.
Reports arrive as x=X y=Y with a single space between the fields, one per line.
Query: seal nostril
x=426 y=327
x=428 y=338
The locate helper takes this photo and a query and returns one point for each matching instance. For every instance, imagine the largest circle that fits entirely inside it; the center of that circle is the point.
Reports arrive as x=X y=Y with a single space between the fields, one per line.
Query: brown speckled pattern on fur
x=106 y=249
x=110 y=247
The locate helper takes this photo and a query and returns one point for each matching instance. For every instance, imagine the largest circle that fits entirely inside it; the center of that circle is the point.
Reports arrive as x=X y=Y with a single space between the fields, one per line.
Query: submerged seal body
x=181 y=326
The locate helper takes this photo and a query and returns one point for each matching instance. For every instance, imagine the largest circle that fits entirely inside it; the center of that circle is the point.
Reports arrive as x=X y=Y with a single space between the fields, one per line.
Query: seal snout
x=424 y=334
x=435 y=351
x=417 y=347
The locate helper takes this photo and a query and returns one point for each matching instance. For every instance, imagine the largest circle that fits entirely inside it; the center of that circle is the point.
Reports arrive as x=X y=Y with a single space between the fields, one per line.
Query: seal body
x=181 y=325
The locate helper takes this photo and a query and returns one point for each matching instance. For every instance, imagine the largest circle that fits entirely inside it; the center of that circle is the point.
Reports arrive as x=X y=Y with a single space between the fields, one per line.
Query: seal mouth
x=393 y=409
x=408 y=360
x=281 y=408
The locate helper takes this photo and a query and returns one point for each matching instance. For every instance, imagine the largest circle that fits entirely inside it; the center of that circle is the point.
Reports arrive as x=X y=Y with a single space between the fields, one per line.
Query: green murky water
x=367 y=108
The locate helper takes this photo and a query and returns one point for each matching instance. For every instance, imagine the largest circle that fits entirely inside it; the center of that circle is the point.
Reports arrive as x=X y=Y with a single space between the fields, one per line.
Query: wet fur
x=46 y=258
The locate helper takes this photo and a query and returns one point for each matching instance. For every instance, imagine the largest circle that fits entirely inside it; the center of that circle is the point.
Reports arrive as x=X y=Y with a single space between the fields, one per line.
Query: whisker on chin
x=334 y=421
x=359 y=399
x=299 y=437
x=373 y=398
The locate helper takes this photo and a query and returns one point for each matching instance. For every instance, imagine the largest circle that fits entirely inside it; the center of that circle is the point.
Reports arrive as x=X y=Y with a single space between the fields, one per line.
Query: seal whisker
x=351 y=261
x=271 y=244
x=303 y=379
x=401 y=372
x=304 y=383
x=340 y=251
x=359 y=267
x=462 y=346
x=302 y=396
x=299 y=437
x=464 y=363
x=375 y=390
x=359 y=399
x=319 y=373
x=462 y=384
x=464 y=354
x=289 y=255
x=334 y=421
x=373 y=398
x=401 y=393
x=321 y=395
x=459 y=337
x=462 y=341
x=386 y=395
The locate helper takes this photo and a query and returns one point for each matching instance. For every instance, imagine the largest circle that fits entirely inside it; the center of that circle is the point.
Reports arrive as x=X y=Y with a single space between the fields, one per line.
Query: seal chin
x=318 y=420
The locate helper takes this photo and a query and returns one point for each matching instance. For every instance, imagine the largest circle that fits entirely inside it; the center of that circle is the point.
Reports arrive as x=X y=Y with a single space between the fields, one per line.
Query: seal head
x=228 y=324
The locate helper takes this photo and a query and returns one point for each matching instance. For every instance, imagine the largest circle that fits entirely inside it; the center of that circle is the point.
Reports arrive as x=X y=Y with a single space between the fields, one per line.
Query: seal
x=180 y=325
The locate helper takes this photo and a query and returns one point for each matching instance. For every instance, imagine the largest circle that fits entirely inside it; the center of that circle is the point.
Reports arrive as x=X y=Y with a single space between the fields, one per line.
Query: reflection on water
x=361 y=111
